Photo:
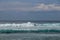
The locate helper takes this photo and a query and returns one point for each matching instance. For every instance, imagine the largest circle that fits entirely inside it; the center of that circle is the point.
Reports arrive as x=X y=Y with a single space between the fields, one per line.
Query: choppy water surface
x=8 y=27
x=29 y=36
x=29 y=26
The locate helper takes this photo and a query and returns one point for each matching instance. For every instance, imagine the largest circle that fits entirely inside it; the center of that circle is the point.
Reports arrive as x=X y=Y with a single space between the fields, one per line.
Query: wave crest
x=29 y=26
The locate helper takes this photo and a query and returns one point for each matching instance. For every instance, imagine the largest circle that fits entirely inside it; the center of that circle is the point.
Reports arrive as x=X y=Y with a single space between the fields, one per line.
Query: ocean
x=30 y=30
x=29 y=36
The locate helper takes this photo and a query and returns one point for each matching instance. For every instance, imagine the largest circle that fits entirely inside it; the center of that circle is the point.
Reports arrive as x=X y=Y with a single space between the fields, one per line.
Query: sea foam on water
x=29 y=26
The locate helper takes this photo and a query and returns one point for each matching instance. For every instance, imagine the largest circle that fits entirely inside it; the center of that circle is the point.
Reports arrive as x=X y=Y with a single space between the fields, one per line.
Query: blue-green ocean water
x=30 y=31
x=29 y=36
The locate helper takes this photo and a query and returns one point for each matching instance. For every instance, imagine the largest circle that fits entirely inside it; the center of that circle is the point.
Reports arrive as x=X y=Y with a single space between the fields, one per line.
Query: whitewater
x=29 y=26
x=24 y=31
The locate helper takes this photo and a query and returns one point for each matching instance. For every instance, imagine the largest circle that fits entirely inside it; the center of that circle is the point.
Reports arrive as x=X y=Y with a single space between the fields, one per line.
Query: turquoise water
x=30 y=27
x=30 y=31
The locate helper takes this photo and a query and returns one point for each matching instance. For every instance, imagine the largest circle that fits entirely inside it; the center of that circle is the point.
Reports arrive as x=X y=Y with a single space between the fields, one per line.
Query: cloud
x=23 y=6
x=47 y=7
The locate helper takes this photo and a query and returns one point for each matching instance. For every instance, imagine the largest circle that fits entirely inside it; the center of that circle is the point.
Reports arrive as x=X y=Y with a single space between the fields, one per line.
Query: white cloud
x=22 y=6
x=47 y=7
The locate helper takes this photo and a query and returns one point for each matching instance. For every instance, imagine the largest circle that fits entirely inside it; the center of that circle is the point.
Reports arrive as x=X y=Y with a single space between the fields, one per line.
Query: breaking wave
x=29 y=27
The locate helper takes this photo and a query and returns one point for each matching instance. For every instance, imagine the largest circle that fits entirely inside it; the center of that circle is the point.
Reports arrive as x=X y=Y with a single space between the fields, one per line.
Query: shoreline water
x=29 y=36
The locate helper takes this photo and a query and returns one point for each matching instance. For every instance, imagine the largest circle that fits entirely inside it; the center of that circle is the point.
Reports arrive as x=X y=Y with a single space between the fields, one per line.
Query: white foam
x=29 y=26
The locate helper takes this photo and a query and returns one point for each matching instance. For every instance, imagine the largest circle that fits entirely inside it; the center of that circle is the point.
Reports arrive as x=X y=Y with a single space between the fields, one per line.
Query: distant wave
x=29 y=26
x=30 y=31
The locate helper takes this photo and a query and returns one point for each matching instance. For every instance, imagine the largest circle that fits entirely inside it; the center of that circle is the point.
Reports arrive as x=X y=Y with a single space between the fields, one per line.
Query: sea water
x=29 y=26
x=29 y=36
x=32 y=29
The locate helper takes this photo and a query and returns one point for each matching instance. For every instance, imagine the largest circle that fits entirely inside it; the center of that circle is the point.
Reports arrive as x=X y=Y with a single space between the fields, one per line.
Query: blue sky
x=29 y=9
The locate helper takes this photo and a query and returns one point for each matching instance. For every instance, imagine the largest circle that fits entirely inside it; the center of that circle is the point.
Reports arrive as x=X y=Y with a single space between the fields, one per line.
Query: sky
x=29 y=9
